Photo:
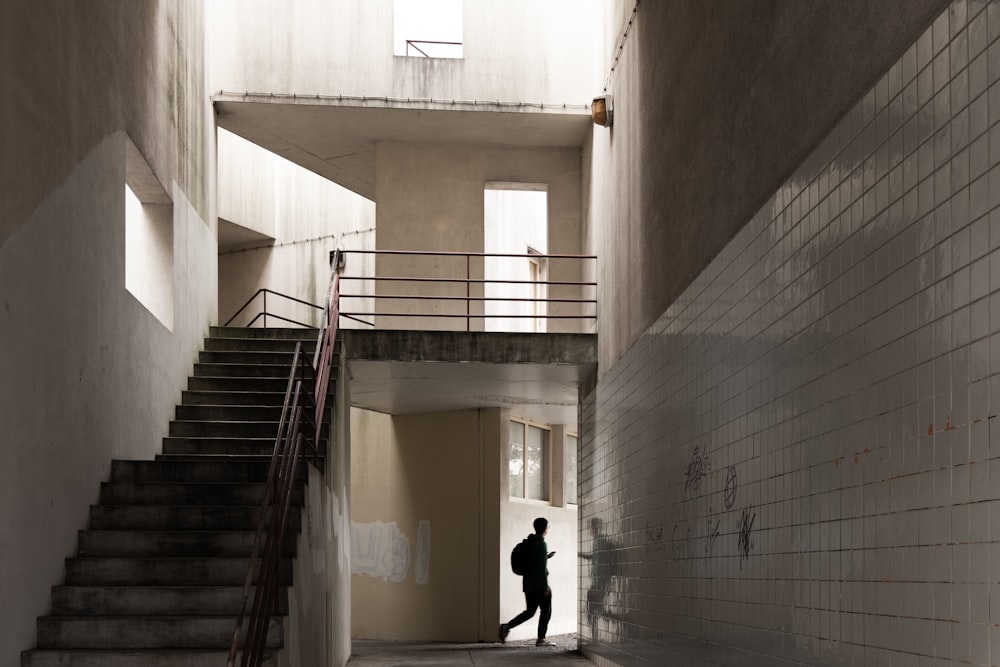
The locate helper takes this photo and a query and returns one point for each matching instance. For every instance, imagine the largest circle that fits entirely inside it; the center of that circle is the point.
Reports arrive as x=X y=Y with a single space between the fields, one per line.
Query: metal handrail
x=299 y=430
x=587 y=304
x=263 y=313
x=414 y=42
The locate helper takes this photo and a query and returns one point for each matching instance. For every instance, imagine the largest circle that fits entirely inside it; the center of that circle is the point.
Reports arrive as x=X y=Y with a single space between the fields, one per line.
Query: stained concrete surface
x=373 y=653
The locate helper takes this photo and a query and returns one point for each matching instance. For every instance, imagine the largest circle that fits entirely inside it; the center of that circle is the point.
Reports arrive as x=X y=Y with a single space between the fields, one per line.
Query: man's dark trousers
x=534 y=601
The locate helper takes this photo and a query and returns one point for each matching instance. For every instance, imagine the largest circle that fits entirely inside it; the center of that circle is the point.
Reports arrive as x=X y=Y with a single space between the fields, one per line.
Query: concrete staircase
x=158 y=576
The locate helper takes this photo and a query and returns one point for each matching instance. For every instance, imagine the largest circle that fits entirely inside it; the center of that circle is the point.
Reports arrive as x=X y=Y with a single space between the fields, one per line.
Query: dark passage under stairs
x=158 y=576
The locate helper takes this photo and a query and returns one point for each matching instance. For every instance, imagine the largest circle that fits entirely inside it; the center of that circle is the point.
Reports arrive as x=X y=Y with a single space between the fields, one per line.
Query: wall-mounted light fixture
x=602 y=110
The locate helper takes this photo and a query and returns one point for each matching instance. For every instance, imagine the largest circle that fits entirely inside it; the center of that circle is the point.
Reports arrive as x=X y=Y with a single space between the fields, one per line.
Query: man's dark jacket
x=537 y=578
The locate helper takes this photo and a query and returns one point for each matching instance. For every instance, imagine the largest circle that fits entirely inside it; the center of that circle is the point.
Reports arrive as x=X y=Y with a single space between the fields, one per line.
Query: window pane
x=569 y=459
x=536 y=463
x=516 y=459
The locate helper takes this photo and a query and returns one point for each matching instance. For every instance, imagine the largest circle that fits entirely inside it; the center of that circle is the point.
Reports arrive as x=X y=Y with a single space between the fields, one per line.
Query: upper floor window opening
x=427 y=28
x=529 y=461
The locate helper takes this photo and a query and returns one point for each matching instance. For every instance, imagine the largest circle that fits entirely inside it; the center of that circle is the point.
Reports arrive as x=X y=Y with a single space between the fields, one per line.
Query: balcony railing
x=427 y=48
x=458 y=290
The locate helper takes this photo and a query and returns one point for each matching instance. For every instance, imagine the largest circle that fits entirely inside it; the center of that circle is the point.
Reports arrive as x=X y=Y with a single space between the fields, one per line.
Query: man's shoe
x=544 y=642
x=504 y=631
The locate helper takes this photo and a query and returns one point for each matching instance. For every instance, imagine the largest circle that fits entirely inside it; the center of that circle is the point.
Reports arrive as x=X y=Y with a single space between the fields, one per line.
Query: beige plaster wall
x=431 y=198
x=406 y=470
x=87 y=372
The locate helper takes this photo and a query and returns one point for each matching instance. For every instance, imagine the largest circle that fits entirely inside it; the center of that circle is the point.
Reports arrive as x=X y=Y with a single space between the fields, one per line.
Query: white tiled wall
x=799 y=462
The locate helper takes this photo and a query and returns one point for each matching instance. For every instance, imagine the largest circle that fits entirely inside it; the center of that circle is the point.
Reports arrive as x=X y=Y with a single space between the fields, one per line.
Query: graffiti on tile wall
x=653 y=537
x=696 y=469
x=684 y=535
x=745 y=534
x=729 y=493
x=712 y=534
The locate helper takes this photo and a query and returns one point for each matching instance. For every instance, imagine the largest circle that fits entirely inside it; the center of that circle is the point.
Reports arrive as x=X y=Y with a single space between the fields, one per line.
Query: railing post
x=468 y=292
x=265 y=309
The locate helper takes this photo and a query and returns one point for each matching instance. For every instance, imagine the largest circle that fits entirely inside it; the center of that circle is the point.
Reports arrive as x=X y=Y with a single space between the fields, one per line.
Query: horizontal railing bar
x=292 y=298
x=278 y=317
x=429 y=41
x=457 y=253
x=466 y=315
x=424 y=297
x=473 y=281
x=358 y=319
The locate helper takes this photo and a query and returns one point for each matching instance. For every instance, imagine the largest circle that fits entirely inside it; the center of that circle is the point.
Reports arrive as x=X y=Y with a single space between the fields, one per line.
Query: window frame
x=546 y=429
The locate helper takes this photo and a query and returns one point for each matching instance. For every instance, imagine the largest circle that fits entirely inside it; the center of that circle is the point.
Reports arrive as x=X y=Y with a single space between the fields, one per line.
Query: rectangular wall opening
x=149 y=238
x=427 y=28
x=516 y=223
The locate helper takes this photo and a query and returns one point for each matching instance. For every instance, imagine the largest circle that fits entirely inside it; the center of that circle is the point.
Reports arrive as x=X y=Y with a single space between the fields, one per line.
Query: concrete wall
x=716 y=103
x=306 y=215
x=319 y=620
x=517 y=51
x=79 y=351
x=795 y=458
x=431 y=198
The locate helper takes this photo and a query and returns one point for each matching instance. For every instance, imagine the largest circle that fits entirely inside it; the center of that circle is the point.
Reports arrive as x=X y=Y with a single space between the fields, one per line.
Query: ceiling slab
x=404 y=372
x=336 y=137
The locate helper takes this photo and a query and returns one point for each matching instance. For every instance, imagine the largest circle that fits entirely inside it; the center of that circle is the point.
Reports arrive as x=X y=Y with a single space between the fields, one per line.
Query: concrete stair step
x=172 y=543
x=178 y=517
x=235 y=344
x=164 y=571
x=130 y=658
x=174 y=469
x=256 y=384
x=270 y=333
x=224 y=413
x=166 y=493
x=242 y=370
x=226 y=429
x=214 y=632
x=220 y=446
x=191 y=398
x=152 y=600
x=267 y=357
x=159 y=573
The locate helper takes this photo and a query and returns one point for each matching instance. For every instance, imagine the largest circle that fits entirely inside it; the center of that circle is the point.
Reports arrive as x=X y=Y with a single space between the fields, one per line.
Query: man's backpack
x=519 y=558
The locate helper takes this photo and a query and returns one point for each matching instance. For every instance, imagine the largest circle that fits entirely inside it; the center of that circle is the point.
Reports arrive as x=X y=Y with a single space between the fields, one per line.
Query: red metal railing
x=299 y=429
x=575 y=302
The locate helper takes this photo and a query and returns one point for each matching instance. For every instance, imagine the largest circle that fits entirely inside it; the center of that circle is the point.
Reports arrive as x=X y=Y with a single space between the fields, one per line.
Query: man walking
x=535 y=584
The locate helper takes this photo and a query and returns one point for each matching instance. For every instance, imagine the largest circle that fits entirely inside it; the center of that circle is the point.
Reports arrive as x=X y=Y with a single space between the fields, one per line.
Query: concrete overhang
x=405 y=372
x=335 y=136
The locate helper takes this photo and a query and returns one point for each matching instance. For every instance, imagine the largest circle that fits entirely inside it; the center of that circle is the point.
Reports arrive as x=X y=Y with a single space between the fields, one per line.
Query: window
x=569 y=464
x=529 y=461
x=427 y=28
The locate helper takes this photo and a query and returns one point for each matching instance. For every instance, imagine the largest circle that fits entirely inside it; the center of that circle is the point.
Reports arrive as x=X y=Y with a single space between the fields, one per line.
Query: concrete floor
x=371 y=653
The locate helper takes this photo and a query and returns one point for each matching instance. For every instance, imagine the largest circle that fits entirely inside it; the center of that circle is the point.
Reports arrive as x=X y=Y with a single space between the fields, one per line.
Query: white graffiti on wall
x=422 y=569
x=379 y=550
